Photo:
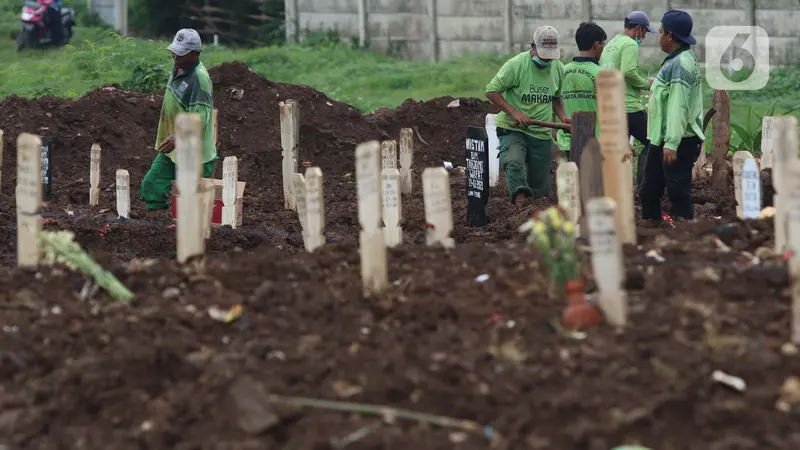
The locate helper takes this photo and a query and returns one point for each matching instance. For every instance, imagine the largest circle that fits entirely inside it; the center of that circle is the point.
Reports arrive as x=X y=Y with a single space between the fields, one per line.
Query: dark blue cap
x=679 y=23
x=641 y=19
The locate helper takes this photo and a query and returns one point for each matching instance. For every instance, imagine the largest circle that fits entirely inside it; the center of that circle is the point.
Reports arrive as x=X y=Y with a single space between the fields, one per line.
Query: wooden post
x=315 y=210
x=785 y=154
x=94 y=175
x=738 y=164
x=434 y=30
x=494 y=150
x=790 y=200
x=216 y=126
x=607 y=260
x=438 y=206
x=591 y=179
x=767 y=143
x=720 y=126
x=750 y=190
x=123 y=185
x=363 y=30
x=207 y=193
x=617 y=170
x=389 y=154
x=299 y=186
x=568 y=190
x=290 y=131
x=29 y=200
x=230 y=180
x=406 y=159
x=508 y=26
x=190 y=219
x=1 y=156
x=374 y=268
x=292 y=29
x=584 y=127
x=390 y=194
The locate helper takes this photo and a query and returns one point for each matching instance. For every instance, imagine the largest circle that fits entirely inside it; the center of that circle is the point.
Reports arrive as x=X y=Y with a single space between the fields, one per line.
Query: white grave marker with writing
x=123 y=185
x=299 y=188
x=389 y=154
x=751 y=190
x=607 y=259
x=28 y=199
x=230 y=178
x=315 y=210
x=406 y=159
x=190 y=215
x=738 y=163
x=568 y=186
x=374 y=268
x=290 y=135
x=494 y=150
x=767 y=142
x=390 y=194
x=438 y=206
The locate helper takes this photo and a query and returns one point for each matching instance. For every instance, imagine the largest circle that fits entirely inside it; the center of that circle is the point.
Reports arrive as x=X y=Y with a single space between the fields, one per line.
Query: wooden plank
x=722 y=140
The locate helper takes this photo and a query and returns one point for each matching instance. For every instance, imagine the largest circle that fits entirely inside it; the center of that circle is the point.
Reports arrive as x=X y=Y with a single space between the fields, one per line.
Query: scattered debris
x=729 y=380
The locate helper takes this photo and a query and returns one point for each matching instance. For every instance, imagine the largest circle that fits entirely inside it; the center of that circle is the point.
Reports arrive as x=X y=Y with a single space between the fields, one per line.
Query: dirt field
x=161 y=374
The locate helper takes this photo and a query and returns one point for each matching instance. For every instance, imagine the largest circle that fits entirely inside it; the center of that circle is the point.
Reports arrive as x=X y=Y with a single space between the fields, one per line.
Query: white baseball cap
x=546 y=39
x=185 y=41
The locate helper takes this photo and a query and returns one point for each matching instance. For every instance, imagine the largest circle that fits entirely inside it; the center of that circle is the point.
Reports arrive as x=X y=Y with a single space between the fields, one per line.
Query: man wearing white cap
x=528 y=86
x=189 y=90
x=622 y=53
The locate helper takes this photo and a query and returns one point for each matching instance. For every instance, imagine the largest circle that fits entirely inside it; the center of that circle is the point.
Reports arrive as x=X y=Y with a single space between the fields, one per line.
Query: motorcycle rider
x=53 y=17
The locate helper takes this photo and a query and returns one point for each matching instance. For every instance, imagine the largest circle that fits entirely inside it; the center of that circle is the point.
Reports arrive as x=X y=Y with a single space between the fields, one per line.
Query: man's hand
x=521 y=119
x=168 y=145
x=670 y=155
x=565 y=119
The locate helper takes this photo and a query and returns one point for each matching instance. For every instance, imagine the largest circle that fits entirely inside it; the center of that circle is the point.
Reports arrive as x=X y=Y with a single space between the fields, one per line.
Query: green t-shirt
x=189 y=92
x=622 y=53
x=530 y=90
x=579 y=91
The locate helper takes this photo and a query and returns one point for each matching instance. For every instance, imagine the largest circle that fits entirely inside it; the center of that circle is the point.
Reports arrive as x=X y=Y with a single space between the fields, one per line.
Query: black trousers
x=637 y=127
x=56 y=28
x=675 y=177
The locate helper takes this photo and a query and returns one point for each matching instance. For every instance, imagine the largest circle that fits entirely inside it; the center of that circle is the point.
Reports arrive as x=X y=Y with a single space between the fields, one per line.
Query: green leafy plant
x=748 y=131
x=146 y=77
x=553 y=234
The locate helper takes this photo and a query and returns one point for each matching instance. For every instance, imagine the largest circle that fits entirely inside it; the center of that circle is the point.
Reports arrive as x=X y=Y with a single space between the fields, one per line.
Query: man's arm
x=629 y=66
x=560 y=110
x=505 y=79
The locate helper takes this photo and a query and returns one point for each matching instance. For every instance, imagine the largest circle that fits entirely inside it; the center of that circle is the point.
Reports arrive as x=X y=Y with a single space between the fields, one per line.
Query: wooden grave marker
x=617 y=165
x=47 y=167
x=188 y=165
x=784 y=154
x=568 y=190
x=591 y=179
x=1 y=156
x=738 y=164
x=607 y=260
x=751 y=190
x=123 y=188
x=438 y=207
x=389 y=154
x=494 y=150
x=767 y=142
x=790 y=199
x=290 y=135
x=216 y=126
x=299 y=189
x=230 y=179
x=315 y=210
x=207 y=194
x=374 y=268
x=29 y=200
x=477 y=154
x=392 y=205
x=720 y=126
x=406 y=160
x=94 y=175
x=584 y=126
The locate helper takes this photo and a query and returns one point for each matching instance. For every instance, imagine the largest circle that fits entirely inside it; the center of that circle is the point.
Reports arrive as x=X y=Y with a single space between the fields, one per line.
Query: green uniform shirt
x=530 y=90
x=189 y=92
x=579 y=92
x=622 y=53
x=675 y=110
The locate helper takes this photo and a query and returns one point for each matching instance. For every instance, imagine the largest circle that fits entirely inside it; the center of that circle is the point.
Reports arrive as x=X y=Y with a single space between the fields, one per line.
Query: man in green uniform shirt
x=675 y=128
x=622 y=53
x=528 y=86
x=579 y=91
x=189 y=90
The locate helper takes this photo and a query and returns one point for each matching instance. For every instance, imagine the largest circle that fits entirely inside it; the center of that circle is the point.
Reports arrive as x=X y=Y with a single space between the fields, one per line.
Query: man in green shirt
x=528 y=86
x=579 y=91
x=675 y=129
x=622 y=53
x=189 y=90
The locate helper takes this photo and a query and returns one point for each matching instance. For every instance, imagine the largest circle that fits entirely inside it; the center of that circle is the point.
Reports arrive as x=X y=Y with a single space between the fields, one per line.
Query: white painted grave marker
x=767 y=142
x=207 y=194
x=406 y=159
x=389 y=154
x=784 y=133
x=123 y=185
x=790 y=200
x=374 y=268
x=94 y=175
x=568 y=186
x=299 y=189
x=315 y=210
x=290 y=135
x=230 y=179
x=29 y=199
x=751 y=190
x=390 y=194
x=494 y=150
x=438 y=206
x=738 y=163
x=190 y=217
x=607 y=259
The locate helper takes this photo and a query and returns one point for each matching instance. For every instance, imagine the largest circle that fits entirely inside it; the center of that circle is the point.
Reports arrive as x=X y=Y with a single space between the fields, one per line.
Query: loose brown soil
x=161 y=374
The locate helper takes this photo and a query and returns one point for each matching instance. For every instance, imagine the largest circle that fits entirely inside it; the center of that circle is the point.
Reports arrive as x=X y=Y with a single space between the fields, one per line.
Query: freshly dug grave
x=162 y=374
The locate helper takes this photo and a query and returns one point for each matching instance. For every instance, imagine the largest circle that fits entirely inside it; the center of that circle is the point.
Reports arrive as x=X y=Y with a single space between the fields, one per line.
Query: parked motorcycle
x=36 y=27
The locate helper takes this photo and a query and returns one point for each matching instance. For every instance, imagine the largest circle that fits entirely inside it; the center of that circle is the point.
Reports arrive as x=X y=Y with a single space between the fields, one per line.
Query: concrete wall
x=443 y=29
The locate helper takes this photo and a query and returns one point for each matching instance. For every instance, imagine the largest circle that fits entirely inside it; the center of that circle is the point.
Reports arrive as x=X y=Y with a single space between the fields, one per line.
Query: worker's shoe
x=519 y=200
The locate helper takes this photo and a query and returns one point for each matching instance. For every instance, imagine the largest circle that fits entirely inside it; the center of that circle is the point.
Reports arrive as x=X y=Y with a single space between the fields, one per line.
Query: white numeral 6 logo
x=742 y=49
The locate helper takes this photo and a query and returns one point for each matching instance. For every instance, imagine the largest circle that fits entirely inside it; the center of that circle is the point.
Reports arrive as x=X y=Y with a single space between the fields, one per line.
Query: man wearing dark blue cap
x=622 y=54
x=675 y=127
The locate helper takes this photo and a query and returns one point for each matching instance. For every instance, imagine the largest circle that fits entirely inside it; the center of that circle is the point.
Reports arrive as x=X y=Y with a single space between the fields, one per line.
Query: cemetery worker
x=579 y=90
x=675 y=127
x=528 y=86
x=189 y=90
x=622 y=53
